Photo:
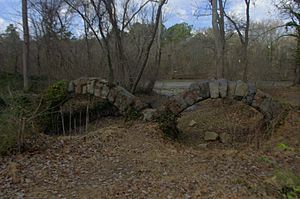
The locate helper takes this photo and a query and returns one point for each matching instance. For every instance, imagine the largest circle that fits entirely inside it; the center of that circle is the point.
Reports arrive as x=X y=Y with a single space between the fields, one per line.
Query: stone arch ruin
x=271 y=109
x=99 y=88
x=237 y=90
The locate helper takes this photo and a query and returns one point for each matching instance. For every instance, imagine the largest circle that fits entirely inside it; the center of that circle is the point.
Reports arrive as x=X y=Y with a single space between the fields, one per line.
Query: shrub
x=132 y=113
x=53 y=98
x=8 y=134
x=167 y=122
x=288 y=183
x=56 y=94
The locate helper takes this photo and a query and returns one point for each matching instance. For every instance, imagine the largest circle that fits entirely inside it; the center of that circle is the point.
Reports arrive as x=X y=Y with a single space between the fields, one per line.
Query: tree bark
x=219 y=33
x=25 y=45
x=222 y=38
x=246 y=40
x=297 y=67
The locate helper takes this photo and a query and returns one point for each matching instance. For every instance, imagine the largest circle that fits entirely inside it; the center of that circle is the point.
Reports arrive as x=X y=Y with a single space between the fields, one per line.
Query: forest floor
x=135 y=160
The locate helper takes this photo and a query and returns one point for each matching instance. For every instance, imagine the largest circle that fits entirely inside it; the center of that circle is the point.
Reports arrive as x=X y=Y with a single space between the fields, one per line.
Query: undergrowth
x=167 y=122
x=21 y=113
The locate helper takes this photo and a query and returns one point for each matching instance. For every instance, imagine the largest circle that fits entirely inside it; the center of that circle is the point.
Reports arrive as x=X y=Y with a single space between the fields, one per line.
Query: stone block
x=91 y=87
x=103 y=81
x=223 y=86
x=199 y=91
x=192 y=123
x=204 y=91
x=214 y=89
x=71 y=87
x=84 y=90
x=240 y=90
x=210 y=136
x=97 y=92
x=149 y=114
x=231 y=88
x=98 y=84
x=248 y=99
x=104 y=92
x=262 y=102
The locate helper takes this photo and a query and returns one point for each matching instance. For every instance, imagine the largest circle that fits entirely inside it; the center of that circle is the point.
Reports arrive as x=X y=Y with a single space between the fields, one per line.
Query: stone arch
x=237 y=90
x=168 y=114
x=100 y=88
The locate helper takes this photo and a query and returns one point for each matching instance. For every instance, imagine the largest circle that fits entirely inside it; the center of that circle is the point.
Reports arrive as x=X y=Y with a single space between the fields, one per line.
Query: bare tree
x=25 y=44
x=50 y=24
x=144 y=64
x=97 y=16
x=113 y=22
x=242 y=28
x=291 y=8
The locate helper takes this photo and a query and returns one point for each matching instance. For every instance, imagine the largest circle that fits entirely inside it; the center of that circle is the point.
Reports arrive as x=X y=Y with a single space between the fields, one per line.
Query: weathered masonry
x=237 y=90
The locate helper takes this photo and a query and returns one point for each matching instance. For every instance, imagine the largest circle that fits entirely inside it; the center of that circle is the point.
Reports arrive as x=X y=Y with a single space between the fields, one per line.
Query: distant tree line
x=127 y=43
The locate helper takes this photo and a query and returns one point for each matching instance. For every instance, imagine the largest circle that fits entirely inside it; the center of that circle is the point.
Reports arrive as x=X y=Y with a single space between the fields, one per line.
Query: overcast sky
x=176 y=11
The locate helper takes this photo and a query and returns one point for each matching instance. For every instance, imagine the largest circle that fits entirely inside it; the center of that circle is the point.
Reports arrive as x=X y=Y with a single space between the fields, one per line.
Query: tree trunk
x=87 y=45
x=219 y=45
x=25 y=44
x=245 y=63
x=246 y=41
x=244 y=38
x=222 y=38
x=297 y=67
x=158 y=15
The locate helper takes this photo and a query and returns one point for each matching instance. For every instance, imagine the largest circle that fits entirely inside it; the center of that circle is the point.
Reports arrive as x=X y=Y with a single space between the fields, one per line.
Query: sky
x=176 y=11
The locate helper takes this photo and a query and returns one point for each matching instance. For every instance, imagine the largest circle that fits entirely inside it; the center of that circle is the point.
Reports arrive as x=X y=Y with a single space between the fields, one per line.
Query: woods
x=149 y=99
x=118 y=40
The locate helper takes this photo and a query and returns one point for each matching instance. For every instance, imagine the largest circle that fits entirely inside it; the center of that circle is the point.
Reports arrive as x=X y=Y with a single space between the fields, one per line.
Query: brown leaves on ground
x=137 y=161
